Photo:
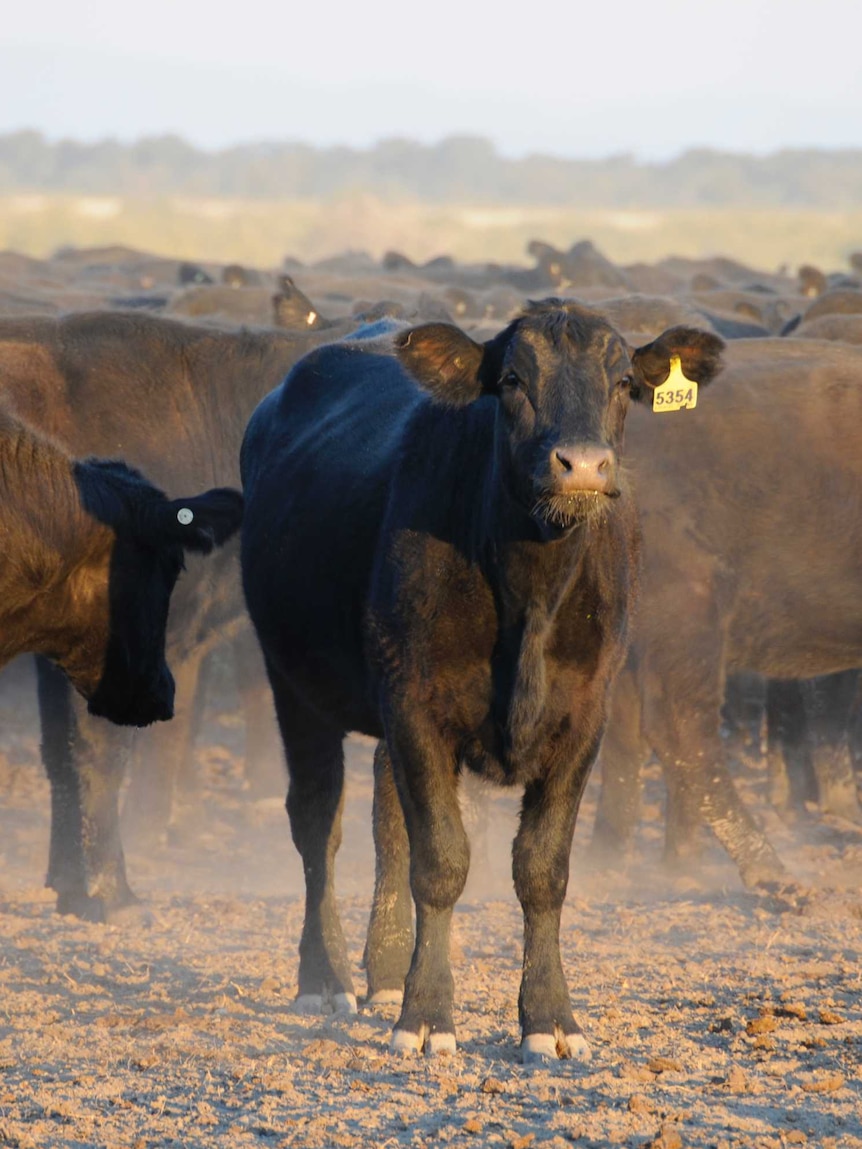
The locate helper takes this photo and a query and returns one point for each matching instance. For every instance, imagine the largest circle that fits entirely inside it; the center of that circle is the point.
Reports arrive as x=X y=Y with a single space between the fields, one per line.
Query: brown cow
x=91 y=554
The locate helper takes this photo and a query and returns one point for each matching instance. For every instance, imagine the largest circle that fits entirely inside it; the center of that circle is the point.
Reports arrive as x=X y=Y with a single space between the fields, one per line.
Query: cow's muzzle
x=583 y=468
x=576 y=487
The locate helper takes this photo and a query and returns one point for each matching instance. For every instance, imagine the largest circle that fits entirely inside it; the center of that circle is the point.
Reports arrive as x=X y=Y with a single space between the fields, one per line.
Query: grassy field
x=262 y=232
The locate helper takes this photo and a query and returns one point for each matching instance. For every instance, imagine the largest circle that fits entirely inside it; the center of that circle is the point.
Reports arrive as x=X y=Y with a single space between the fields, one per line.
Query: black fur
x=408 y=577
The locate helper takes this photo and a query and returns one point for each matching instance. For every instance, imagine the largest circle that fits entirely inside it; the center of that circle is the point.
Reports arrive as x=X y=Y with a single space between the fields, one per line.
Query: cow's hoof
x=344 y=1003
x=317 y=1003
x=576 y=1046
x=545 y=1048
x=434 y=1044
x=386 y=997
x=405 y=1042
x=308 y=1003
x=437 y=1044
x=94 y=908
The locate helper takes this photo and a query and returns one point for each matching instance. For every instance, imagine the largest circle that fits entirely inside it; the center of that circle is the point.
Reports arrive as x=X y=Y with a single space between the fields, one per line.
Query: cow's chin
x=557 y=515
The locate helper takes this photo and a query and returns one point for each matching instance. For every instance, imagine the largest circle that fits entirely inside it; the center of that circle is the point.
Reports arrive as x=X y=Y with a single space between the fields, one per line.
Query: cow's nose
x=584 y=468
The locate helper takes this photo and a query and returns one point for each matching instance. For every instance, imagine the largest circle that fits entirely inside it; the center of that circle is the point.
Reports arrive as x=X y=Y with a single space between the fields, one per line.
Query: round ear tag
x=185 y=516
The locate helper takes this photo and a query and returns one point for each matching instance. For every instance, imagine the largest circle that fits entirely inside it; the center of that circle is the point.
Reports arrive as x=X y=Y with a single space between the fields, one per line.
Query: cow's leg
x=622 y=755
x=742 y=718
x=790 y=771
x=439 y=860
x=389 y=945
x=315 y=799
x=85 y=759
x=262 y=757
x=681 y=722
x=66 y=852
x=540 y=866
x=163 y=760
x=829 y=702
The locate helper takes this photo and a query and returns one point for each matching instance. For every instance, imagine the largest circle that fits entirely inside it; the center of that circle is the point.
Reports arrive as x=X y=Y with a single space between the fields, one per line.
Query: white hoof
x=538 y=1049
x=344 y=1003
x=434 y=1044
x=439 y=1043
x=577 y=1047
x=543 y=1048
x=308 y=1003
x=387 y=997
x=405 y=1042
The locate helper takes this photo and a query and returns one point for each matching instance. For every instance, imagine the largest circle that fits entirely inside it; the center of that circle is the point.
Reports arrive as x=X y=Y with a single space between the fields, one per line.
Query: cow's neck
x=54 y=581
x=531 y=580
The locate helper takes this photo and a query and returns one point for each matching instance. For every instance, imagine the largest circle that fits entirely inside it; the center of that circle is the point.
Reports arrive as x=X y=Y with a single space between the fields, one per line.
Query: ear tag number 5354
x=676 y=392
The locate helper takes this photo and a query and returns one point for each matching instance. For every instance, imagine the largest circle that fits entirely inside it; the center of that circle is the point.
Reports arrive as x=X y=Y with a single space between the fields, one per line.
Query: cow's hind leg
x=390 y=928
x=788 y=756
x=439 y=860
x=681 y=721
x=262 y=767
x=315 y=799
x=540 y=866
x=829 y=703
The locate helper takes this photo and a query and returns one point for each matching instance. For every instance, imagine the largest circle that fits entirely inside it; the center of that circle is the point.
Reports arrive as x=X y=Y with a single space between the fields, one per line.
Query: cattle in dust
x=91 y=555
x=752 y=557
x=174 y=400
x=440 y=549
x=479 y=297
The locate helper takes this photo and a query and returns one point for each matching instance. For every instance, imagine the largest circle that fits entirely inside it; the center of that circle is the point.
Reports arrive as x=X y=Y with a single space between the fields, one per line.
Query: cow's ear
x=202 y=522
x=444 y=360
x=699 y=353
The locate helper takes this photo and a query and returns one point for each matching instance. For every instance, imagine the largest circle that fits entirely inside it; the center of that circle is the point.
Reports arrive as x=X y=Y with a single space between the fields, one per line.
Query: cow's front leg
x=390 y=929
x=85 y=760
x=439 y=860
x=540 y=866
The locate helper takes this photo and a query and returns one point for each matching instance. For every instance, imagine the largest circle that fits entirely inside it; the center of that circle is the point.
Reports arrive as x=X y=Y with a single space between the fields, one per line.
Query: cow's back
x=753 y=504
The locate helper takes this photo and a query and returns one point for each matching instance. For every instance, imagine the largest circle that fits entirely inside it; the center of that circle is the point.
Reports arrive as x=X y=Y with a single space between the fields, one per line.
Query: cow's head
x=563 y=379
x=125 y=589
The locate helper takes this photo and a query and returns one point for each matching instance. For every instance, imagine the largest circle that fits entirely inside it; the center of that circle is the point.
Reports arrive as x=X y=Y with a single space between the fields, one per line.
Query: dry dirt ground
x=716 y=1018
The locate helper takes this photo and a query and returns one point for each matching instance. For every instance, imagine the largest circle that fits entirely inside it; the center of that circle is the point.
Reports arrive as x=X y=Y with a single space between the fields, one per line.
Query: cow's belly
x=792 y=639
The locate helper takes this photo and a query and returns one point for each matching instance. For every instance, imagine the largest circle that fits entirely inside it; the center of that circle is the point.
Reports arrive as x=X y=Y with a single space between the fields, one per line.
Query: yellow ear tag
x=676 y=392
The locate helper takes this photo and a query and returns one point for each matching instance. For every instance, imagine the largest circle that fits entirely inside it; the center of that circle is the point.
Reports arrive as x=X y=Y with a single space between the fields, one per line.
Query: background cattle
x=752 y=566
x=195 y=990
x=173 y=399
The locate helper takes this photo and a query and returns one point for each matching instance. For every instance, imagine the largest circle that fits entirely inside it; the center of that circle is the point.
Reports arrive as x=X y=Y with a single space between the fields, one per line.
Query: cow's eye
x=627 y=382
x=511 y=379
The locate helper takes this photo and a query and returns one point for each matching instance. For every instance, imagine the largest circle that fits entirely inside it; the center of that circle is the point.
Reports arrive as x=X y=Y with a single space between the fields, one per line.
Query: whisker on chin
x=582 y=507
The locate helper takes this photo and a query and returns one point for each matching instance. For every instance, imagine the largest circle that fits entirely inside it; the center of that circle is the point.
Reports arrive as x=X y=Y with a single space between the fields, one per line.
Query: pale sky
x=562 y=78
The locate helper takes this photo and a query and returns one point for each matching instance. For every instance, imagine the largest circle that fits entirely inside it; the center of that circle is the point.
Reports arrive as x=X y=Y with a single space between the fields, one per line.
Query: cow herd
x=492 y=517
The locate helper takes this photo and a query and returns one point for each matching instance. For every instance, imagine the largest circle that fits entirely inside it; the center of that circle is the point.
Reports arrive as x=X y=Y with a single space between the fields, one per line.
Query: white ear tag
x=676 y=392
x=185 y=516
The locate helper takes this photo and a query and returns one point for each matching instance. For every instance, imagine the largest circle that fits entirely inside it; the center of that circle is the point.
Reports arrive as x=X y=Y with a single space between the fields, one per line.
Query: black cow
x=91 y=555
x=441 y=549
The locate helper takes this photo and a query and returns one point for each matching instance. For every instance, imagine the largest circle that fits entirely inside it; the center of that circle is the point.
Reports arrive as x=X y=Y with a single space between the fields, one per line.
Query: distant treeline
x=458 y=170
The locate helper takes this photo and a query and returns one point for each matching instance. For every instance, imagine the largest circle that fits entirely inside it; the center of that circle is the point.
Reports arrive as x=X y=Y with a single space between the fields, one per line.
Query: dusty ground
x=716 y=1019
